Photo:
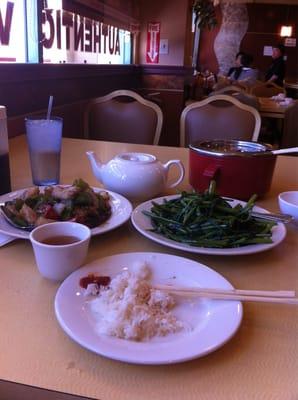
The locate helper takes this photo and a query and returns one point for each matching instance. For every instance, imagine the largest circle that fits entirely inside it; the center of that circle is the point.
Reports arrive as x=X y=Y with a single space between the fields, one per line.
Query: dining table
x=286 y=117
x=272 y=108
x=40 y=361
x=291 y=86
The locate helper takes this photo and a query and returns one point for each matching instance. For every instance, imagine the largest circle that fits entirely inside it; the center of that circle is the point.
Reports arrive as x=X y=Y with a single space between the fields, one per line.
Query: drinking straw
x=50 y=107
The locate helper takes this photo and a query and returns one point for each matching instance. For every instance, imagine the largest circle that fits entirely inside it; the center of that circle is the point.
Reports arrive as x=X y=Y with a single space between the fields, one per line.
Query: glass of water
x=44 y=142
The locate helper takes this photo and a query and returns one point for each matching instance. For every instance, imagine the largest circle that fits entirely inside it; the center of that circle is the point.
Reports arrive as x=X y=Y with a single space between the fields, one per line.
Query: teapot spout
x=95 y=164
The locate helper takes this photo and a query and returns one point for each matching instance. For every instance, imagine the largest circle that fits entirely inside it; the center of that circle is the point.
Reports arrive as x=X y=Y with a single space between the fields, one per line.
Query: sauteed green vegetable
x=208 y=220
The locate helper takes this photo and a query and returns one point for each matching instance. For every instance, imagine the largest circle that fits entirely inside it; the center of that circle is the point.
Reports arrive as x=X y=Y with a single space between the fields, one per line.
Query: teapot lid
x=142 y=158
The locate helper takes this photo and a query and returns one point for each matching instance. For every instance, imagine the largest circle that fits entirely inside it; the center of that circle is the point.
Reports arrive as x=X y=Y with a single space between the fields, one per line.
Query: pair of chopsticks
x=266 y=296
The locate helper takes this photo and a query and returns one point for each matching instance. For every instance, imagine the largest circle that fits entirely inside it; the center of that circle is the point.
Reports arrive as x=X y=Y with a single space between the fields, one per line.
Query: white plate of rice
x=203 y=324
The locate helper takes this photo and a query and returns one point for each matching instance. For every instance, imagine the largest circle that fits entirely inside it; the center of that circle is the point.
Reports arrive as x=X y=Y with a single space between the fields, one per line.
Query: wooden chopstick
x=270 y=293
x=268 y=296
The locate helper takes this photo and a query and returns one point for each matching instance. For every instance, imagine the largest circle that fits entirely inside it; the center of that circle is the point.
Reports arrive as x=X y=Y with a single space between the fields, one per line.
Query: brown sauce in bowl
x=60 y=240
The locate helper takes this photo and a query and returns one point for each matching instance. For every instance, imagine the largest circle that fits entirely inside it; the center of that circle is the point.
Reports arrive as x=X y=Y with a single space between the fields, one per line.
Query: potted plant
x=205 y=13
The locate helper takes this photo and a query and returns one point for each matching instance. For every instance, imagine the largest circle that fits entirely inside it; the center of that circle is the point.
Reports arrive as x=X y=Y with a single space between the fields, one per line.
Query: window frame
x=34 y=49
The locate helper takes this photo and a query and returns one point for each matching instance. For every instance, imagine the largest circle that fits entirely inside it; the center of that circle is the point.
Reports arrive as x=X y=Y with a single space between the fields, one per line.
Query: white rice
x=130 y=309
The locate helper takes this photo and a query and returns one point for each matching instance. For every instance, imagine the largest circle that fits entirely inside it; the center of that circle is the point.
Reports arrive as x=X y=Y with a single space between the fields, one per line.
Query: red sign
x=153 y=40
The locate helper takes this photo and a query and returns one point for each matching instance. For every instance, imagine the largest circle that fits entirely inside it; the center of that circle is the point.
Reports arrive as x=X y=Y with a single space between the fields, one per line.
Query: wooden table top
x=259 y=362
x=291 y=83
x=272 y=108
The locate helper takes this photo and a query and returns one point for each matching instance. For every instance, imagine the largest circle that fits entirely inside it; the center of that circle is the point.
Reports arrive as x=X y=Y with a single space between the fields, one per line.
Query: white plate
x=212 y=322
x=121 y=211
x=143 y=223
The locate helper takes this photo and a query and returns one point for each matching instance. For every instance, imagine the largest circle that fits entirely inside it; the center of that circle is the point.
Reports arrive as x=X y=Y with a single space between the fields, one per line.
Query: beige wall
x=172 y=14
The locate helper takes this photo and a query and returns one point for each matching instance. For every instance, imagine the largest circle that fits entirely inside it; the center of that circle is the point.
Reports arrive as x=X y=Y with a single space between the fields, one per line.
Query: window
x=66 y=37
x=12 y=31
x=71 y=38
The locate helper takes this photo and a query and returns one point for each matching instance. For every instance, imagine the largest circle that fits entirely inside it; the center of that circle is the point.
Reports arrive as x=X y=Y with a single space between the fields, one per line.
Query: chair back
x=123 y=116
x=290 y=130
x=266 y=89
x=240 y=94
x=219 y=117
x=248 y=99
x=228 y=90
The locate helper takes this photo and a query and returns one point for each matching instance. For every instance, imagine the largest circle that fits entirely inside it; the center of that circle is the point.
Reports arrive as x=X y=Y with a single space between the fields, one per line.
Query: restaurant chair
x=219 y=117
x=123 y=116
x=224 y=84
x=266 y=89
x=289 y=136
x=242 y=95
x=228 y=90
x=248 y=99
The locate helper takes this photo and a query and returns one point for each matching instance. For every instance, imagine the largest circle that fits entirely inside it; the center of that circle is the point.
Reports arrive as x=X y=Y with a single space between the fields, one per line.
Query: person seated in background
x=277 y=70
x=244 y=73
x=236 y=70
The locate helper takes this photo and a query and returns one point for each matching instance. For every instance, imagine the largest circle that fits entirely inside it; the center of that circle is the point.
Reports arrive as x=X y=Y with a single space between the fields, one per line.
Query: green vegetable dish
x=208 y=220
x=78 y=202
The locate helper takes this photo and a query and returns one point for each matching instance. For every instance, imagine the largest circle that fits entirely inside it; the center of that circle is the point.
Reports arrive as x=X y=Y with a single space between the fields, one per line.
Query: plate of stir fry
x=207 y=223
x=100 y=210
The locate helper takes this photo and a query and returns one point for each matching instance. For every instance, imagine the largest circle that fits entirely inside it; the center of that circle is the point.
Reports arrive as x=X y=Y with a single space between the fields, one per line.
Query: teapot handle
x=182 y=172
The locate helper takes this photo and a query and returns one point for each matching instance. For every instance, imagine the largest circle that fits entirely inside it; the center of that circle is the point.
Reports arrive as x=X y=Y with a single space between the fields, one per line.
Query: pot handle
x=211 y=171
x=180 y=166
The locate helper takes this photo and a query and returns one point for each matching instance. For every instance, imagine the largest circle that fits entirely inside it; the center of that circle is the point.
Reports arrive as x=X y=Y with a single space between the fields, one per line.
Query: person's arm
x=250 y=77
x=273 y=78
x=231 y=70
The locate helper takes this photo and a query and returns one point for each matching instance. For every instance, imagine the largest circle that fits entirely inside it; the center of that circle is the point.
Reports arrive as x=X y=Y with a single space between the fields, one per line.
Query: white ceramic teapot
x=137 y=176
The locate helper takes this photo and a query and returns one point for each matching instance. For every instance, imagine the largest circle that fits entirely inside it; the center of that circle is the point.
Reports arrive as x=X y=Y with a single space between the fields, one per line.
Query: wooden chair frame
x=223 y=97
x=127 y=93
x=260 y=84
x=230 y=88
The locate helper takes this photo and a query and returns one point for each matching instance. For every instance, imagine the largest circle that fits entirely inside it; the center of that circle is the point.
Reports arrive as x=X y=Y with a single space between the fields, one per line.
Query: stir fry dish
x=78 y=203
x=208 y=220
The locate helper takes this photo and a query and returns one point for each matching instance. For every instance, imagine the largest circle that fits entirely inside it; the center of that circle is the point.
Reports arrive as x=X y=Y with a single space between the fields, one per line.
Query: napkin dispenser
x=5 y=186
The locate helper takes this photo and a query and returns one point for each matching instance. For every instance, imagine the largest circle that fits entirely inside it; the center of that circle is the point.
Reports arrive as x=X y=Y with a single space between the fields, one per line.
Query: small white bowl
x=288 y=203
x=57 y=261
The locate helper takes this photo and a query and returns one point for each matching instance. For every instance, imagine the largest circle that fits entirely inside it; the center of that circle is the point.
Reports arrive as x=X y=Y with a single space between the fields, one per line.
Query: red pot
x=239 y=168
